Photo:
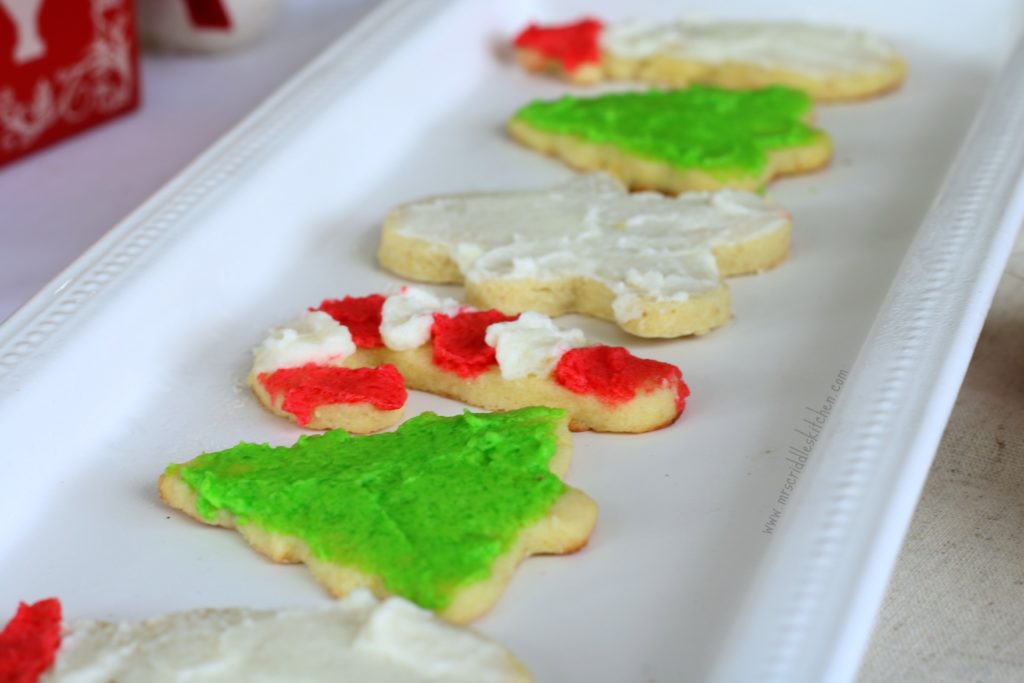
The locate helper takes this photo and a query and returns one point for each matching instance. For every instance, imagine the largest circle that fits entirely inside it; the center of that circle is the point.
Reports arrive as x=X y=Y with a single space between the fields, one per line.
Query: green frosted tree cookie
x=697 y=138
x=439 y=512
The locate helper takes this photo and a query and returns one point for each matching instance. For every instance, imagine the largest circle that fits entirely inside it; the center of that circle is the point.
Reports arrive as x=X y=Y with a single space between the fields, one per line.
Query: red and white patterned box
x=65 y=65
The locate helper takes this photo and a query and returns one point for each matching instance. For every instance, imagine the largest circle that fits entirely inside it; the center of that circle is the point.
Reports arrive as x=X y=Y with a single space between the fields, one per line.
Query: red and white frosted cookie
x=829 y=62
x=357 y=639
x=342 y=365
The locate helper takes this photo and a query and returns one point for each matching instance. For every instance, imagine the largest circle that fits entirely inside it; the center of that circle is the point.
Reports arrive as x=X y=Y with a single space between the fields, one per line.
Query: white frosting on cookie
x=355 y=640
x=312 y=337
x=804 y=48
x=531 y=345
x=641 y=245
x=407 y=317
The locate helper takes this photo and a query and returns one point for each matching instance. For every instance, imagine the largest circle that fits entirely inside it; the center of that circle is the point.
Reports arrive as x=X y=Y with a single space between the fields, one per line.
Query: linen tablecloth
x=955 y=606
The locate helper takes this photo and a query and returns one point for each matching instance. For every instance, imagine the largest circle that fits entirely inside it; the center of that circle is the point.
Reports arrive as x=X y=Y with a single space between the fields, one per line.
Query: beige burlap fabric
x=954 y=611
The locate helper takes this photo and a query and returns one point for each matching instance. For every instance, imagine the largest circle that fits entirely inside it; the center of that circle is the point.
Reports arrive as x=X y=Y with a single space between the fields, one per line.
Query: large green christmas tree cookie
x=440 y=511
x=697 y=138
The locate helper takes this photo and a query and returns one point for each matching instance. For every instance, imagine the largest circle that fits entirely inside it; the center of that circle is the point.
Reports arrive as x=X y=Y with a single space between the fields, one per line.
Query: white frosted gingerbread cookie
x=358 y=639
x=650 y=263
x=347 y=365
x=828 y=62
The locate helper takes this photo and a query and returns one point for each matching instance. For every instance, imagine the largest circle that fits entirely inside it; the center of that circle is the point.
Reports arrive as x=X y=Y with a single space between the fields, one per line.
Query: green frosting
x=428 y=507
x=727 y=133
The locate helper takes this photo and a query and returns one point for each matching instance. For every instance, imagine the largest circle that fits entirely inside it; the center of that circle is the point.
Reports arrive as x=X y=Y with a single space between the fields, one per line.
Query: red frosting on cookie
x=614 y=375
x=361 y=315
x=311 y=386
x=459 y=341
x=573 y=45
x=28 y=645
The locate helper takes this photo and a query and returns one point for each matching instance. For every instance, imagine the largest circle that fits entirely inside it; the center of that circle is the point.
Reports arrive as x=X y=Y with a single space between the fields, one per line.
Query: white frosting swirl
x=531 y=345
x=356 y=640
x=407 y=317
x=805 y=48
x=312 y=337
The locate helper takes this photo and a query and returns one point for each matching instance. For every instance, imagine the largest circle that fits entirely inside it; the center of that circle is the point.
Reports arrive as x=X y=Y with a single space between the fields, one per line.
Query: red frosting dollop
x=307 y=388
x=573 y=45
x=361 y=315
x=614 y=375
x=459 y=341
x=29 y=643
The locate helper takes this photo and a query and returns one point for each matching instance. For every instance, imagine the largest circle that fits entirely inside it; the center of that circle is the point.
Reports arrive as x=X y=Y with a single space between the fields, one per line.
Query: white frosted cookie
x=828 y=62
x=652 y=264
x=358 y=639
x=348 y=363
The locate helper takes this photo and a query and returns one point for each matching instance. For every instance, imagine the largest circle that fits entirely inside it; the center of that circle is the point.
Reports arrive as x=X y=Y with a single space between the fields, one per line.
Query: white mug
x=203 y=25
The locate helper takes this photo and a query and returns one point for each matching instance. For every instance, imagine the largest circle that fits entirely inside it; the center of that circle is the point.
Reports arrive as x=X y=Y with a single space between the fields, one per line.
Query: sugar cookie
x=650 y=263
x=698 y=138
x=355 y=640
x=440 y=511
x=828 y=62
x=485 y=358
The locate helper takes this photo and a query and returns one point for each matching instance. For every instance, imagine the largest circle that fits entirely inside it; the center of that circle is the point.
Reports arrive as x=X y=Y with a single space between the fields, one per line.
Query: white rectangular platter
x=716 y=557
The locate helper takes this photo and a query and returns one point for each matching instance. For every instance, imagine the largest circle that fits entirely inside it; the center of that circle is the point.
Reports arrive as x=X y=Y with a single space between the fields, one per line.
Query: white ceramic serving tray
x=716 y=556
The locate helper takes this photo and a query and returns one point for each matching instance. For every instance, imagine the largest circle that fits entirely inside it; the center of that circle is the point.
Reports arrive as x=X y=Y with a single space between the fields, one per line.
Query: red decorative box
x=64 y=66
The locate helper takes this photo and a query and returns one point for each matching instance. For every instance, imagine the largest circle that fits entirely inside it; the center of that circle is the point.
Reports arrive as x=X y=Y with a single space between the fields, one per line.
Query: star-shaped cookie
x=653 y=264
x=440 y=511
